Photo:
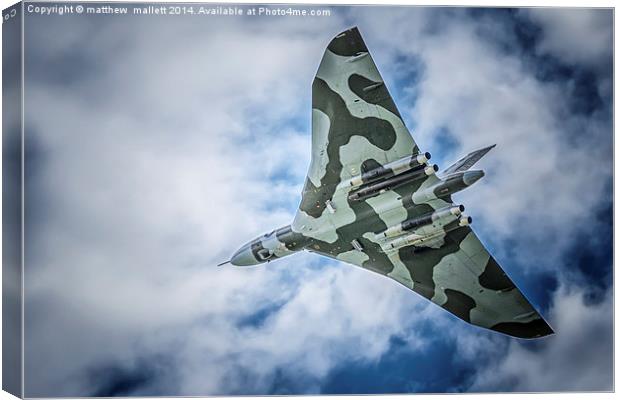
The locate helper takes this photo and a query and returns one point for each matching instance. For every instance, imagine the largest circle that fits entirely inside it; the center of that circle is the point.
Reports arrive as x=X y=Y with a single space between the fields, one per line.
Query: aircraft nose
x=471 y=177
x=244 y=257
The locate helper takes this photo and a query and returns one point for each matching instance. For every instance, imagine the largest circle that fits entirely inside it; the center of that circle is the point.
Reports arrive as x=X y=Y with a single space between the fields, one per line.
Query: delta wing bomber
x=373 y=199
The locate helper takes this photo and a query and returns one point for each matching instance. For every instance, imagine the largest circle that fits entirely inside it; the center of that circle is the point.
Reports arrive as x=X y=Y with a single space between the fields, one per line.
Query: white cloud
x=578 y=357
x=484 y=96
x=580 y=36
x=150 y=175
x=534 y=192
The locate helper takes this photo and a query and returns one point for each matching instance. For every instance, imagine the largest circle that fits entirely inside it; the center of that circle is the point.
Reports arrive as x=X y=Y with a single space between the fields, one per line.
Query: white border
x=479 y=3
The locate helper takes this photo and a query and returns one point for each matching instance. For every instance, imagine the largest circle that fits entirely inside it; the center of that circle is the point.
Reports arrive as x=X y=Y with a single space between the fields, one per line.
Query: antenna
x=225 y=262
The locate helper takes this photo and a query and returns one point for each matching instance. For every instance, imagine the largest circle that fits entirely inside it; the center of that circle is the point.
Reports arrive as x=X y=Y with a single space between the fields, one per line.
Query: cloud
x=187 y=139
x=159 y=173
x=583 y=332
x=480 y=95
x=580 y=36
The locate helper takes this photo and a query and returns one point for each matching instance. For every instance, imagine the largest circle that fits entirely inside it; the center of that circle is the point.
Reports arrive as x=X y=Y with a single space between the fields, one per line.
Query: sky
x=157 y=145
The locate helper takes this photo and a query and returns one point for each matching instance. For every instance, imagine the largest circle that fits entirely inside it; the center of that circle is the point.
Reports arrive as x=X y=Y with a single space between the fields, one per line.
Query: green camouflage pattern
x=371 y=199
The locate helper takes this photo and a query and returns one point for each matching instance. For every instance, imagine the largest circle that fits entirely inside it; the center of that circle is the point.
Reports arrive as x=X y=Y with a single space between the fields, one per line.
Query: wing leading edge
x=355 y=123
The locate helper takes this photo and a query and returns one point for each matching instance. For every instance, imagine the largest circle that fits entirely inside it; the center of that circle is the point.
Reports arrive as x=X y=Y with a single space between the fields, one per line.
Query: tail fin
x=468 y=161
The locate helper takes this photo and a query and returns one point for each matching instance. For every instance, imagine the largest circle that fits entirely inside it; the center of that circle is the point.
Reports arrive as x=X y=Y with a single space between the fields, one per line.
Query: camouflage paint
x=357 y=134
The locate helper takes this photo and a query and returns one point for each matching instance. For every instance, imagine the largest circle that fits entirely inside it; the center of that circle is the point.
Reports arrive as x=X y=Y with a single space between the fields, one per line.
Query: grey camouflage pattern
x=371 y=199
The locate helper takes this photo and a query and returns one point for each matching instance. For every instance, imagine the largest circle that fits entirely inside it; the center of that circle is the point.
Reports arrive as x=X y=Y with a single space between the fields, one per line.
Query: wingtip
x=550 y=331
x=348 y=43
x=535 y=329
x=488 y=148
x=351 y=29
x=547 y=330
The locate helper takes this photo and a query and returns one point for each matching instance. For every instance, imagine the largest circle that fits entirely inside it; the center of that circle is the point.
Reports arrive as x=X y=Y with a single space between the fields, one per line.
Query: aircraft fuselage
x=420 y=230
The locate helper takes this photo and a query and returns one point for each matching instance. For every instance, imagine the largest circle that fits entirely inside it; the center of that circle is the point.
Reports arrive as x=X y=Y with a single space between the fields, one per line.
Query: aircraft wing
x=463 y=278
x=355 y=123
x=356 y=128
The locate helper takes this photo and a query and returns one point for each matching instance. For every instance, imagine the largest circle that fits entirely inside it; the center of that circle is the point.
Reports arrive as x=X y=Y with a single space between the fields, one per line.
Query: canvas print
x=244 y=199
